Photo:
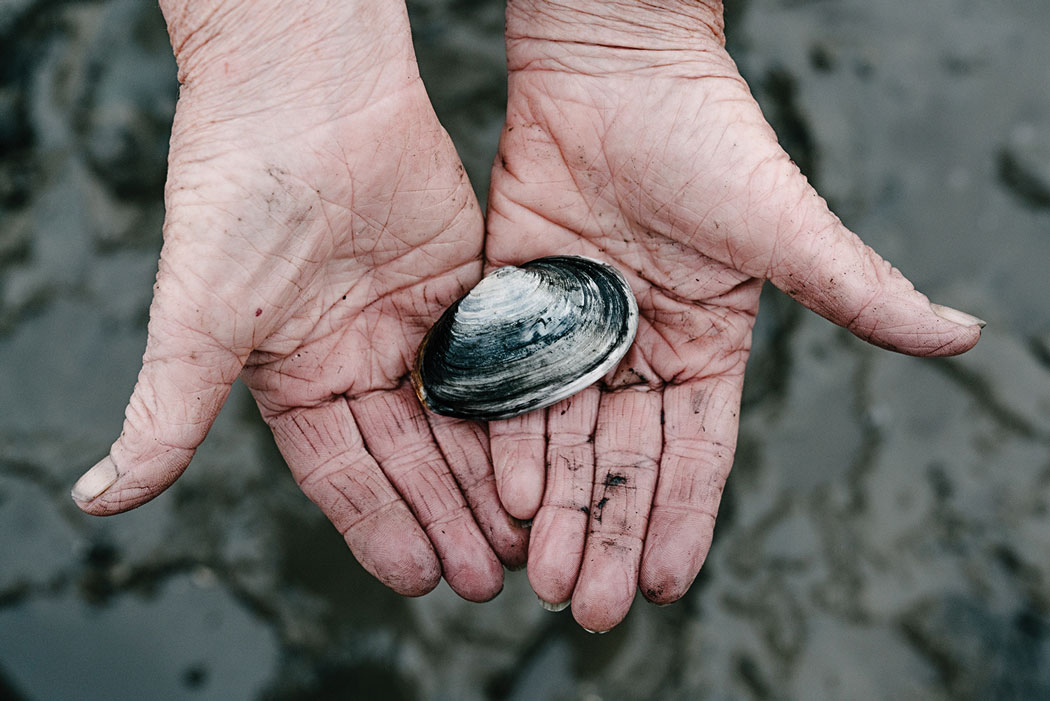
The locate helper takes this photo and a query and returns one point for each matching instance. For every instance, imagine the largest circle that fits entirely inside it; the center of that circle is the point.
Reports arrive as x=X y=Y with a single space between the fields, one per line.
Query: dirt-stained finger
x=327 y=457
x=628 y=441
x=465 y=446
x=559 y=530
x=700 y=429
x=397 y=434
x=519 y=447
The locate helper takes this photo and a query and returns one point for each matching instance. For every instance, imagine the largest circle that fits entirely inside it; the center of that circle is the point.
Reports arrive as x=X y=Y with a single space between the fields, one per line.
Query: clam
x=526 y=337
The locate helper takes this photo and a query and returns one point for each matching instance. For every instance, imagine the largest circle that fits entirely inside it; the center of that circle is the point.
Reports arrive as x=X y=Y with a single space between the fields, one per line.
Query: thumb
x=822 y=264
x=185 y=379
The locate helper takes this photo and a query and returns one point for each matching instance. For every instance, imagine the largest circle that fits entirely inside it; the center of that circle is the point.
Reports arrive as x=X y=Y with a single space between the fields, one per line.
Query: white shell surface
x=526 y=337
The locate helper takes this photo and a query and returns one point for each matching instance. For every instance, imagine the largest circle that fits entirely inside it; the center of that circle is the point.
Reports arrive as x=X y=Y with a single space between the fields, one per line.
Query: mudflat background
x=886 y=529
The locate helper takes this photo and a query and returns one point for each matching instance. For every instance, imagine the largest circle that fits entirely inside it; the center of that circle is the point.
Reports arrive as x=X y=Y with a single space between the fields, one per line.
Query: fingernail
x=553 y=607
x=95 y=481
x=957 y=317
x=595 y=632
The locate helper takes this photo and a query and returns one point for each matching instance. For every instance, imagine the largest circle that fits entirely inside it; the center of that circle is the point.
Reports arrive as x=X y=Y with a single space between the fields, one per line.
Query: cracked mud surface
x=886 y=529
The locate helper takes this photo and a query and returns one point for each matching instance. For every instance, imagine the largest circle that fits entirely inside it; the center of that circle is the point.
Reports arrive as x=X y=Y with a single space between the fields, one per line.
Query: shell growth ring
x=525 y=338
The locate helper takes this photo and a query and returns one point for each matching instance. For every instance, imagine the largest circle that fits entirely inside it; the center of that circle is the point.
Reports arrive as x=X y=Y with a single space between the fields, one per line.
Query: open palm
x=314 y=231
x=658 y=161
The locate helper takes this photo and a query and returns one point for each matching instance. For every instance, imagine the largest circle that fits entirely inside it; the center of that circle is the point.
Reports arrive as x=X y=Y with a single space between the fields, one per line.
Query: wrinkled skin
x=318 y=221
x=632 y=138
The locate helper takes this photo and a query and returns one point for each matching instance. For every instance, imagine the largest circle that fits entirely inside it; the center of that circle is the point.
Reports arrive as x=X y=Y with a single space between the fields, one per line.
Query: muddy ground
x=885 y=532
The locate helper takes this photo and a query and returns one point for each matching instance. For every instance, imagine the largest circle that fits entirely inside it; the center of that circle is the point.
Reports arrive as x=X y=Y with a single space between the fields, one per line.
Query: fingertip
x=519 y=451
x=598 y=617
x=408 y=564
x=919 y=328
x=513 y=551
x=480 y=581
x=667 y=572
x=548 y=585
x=603 y=596
x=964 y=340
x=508 y=539
x=392 y=547
x=521 y=493
x=663 y=588
x=94 y=482
x=105 y=489
x=967 y=329
x=468 y=563
x=556 y=553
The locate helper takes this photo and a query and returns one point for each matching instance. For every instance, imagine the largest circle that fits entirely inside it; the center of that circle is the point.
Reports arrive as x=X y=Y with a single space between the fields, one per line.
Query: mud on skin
x=858 y=552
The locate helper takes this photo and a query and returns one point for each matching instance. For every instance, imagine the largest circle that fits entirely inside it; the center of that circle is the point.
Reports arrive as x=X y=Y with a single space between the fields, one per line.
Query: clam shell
x=526 y=337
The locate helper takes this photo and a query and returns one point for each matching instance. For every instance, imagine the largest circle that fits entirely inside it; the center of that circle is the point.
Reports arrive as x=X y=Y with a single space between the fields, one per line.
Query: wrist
x=229 y=47
x=626 y=24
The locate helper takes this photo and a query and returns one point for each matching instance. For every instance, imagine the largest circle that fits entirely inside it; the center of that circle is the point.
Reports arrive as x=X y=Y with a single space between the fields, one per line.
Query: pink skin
x=318 y=221
x=632 y=138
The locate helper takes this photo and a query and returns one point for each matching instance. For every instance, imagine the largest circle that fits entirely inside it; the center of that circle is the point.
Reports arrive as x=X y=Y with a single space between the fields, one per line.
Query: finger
x=700 y=428
x=627 y=446
x=184 y=381
x=327 y=457
x=560 y=527
x=818 y=261
x=397 y=435
x=465 y=447
x=519 y=446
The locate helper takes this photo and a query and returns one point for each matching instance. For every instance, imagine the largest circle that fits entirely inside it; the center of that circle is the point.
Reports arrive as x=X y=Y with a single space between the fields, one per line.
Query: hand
x=318 y=221
x=632 y=138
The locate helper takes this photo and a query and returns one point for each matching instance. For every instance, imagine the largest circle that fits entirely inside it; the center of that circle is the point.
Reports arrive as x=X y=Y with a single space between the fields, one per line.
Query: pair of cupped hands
x=319 y=221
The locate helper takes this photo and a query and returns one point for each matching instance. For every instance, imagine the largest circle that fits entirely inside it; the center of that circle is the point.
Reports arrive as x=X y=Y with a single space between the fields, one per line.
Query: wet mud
x=885 y=532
